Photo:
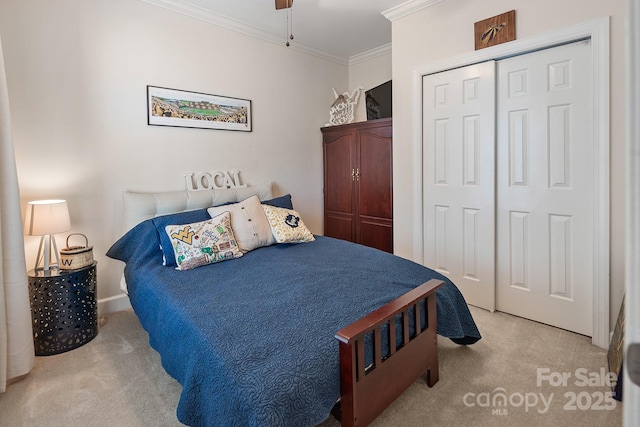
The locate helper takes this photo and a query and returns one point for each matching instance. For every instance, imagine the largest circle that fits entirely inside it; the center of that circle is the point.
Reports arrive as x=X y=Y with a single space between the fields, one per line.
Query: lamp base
x=44 y=254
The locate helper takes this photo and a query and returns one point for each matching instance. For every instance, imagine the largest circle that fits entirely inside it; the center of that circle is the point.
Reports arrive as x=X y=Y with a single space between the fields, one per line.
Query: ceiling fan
x=283 y=4
x=287 y=4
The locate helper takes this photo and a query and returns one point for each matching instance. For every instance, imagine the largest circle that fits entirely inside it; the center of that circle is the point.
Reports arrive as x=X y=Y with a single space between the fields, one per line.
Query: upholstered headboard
x=142 y=206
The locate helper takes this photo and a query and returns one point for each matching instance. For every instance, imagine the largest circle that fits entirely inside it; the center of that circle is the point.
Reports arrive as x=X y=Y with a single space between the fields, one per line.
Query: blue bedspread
x=251 y=340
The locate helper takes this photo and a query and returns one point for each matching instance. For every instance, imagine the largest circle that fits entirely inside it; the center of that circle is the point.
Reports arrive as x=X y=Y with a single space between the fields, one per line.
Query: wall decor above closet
x=495 y=30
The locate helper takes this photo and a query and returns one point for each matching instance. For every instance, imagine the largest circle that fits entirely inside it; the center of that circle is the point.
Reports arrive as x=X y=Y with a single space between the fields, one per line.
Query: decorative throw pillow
x=203 y=243
x=248 y=222
x=179 y=218
x=280 y=202
x=287 y=226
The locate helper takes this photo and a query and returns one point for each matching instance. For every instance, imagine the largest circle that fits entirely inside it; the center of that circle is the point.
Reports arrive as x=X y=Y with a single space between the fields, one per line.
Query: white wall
x=445 y=30
x=77 y=75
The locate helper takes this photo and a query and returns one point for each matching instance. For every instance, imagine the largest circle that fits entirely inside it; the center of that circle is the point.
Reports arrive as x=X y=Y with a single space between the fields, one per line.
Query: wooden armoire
x=358 y=183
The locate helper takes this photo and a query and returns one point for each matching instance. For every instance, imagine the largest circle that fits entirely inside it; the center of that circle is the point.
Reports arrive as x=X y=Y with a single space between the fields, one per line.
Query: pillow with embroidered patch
x=287 y=226
x=180 y=218
x=203 y=243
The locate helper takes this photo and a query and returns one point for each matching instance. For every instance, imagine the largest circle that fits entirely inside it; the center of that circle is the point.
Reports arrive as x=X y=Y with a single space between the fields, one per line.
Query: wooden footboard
x=367 y=390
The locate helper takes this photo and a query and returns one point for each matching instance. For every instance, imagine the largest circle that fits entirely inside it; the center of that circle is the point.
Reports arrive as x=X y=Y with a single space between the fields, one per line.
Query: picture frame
x=495 y=30
x=181 y=108
x=615 y=354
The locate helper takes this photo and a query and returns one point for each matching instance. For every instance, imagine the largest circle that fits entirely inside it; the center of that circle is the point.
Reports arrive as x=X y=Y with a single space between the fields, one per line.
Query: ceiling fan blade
x=283 y=4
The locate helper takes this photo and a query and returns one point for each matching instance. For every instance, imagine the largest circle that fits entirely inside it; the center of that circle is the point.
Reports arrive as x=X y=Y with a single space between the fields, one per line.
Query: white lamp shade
x=45 y=217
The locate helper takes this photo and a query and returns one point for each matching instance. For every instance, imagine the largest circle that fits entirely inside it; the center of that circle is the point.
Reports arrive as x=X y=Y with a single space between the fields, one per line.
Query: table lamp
x=45 y=218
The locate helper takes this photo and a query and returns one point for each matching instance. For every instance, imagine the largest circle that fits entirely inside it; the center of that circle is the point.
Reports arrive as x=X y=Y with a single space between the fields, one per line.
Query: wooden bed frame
x=367 y=391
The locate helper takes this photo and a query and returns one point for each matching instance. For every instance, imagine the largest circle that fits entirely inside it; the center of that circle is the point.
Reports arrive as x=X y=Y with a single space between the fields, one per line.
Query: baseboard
x=114 y=303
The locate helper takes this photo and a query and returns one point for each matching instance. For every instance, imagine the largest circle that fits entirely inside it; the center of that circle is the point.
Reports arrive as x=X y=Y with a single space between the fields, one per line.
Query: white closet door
x=459 y=179
x=545 y=182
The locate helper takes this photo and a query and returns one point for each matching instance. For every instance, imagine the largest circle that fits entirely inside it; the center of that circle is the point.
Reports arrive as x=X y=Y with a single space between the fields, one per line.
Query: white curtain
x=17 y=355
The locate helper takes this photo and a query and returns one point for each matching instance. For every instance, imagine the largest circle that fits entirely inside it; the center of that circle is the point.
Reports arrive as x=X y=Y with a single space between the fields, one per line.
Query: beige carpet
x=117 y=380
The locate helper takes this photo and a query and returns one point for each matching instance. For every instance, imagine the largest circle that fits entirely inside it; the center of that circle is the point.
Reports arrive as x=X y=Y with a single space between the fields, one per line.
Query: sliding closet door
x=545 y=181
x=459 y=179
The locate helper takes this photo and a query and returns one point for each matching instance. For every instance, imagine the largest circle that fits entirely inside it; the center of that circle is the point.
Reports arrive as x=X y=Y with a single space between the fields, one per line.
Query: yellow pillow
x=287 y=226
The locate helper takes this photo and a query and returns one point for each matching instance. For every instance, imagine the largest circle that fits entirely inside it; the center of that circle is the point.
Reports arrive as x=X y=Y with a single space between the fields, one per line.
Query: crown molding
x=370 y=54
x=196 y=12
x=408 y=8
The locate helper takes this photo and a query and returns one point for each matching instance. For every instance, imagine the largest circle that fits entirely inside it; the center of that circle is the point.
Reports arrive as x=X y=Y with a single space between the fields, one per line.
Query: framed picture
x=495 y=30
x=172 y=107
x=616 y=353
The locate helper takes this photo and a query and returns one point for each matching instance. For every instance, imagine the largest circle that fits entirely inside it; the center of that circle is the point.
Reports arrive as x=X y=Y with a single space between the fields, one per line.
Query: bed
x=281 y=334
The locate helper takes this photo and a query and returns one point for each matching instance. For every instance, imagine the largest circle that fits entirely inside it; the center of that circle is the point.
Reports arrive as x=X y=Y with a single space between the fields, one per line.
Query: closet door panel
x=459 y=179
x=545 y=181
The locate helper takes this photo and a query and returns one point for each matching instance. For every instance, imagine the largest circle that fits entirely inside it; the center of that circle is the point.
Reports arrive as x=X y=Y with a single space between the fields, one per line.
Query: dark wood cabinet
x=358 y=183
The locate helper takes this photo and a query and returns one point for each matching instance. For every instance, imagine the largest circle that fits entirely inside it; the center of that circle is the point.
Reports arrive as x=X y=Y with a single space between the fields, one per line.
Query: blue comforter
x=251 y=340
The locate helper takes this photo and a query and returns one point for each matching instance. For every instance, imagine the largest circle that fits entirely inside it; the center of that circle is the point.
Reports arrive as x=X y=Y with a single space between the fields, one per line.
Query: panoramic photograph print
x=178 y=108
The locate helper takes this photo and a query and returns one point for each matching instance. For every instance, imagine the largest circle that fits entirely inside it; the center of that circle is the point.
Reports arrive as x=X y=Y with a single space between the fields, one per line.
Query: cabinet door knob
x=357 y=175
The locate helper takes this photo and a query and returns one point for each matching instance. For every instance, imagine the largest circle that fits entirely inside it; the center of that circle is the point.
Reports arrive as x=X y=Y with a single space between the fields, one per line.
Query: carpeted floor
x=117 y=380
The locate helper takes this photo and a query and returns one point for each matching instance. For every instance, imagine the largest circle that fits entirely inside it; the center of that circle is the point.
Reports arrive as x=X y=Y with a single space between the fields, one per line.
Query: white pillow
x=287 y=226
x=249 y=223
x=202 y=243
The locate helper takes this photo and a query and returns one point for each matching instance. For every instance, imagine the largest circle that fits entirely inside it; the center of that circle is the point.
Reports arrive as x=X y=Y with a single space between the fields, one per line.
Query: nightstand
x=64 y=309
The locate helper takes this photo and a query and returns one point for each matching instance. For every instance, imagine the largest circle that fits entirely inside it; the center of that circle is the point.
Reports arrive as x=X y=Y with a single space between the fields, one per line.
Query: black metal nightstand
x=64 y=309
